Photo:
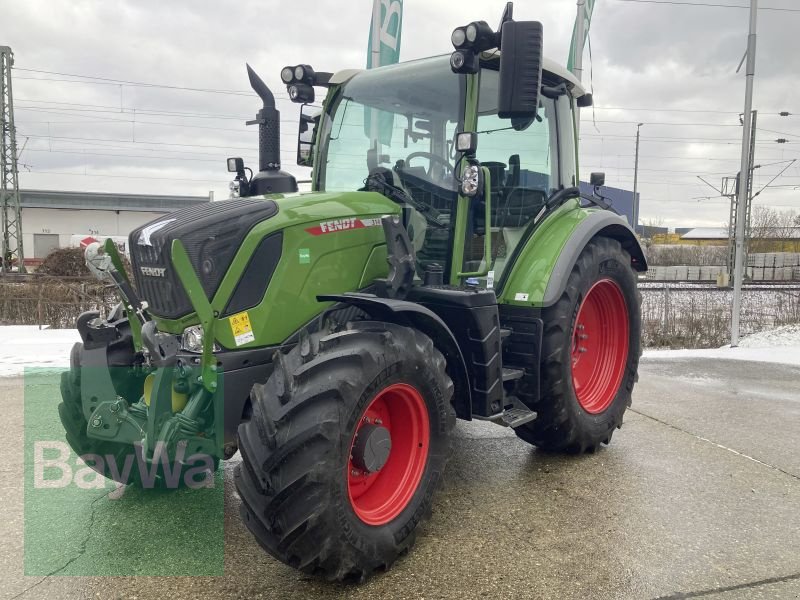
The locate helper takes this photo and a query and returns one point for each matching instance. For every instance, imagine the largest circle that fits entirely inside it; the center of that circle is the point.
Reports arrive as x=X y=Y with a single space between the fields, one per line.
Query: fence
x=698 y=316
x=51 y=301
x=675 y=315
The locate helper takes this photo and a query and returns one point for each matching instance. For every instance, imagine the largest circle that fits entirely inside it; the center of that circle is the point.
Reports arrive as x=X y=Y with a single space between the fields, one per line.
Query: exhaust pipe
x=269 y=179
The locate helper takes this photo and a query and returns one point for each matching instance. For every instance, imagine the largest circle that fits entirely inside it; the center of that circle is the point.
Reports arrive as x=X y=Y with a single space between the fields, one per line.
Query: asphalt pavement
x=697 y=496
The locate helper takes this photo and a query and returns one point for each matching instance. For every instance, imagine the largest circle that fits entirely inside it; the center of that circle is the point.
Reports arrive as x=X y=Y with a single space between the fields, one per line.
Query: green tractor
x=444 y=266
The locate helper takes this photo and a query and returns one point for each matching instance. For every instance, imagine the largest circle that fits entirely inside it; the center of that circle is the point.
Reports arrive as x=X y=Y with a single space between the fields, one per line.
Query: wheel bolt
x=97 y=422
x=581 y=350
x=583 y=336
x=355 y=472
x=378 y=422
x=581 y=327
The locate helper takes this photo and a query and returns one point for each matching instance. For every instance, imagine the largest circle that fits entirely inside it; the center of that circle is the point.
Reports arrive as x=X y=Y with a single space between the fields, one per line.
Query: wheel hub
x=388 y=454
x=371 y=448
x=599 y=350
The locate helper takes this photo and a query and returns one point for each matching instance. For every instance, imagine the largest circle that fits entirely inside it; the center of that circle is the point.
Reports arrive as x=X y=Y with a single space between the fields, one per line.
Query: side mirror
x=597 y=179
x=520 y=69
x=306 y=136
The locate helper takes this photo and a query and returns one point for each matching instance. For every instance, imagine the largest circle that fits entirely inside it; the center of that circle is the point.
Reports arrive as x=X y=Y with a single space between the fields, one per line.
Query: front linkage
x=137 y=391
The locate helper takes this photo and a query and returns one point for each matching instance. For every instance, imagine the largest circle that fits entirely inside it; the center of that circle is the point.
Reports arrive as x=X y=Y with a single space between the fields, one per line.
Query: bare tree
x=771 y=228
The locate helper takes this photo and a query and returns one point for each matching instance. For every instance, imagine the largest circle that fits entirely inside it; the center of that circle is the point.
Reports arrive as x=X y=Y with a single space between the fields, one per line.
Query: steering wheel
x=433 y=158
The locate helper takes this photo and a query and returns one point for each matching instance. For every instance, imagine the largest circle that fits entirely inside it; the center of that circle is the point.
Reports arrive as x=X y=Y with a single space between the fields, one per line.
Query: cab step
x=512 y=374
x=515 y=415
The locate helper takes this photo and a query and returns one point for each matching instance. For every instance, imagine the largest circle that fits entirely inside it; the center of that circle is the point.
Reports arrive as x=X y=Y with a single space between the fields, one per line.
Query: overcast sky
x=104 y=136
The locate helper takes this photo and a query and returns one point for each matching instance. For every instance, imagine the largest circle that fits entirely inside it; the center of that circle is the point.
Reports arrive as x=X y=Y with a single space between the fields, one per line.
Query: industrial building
x=52 y=219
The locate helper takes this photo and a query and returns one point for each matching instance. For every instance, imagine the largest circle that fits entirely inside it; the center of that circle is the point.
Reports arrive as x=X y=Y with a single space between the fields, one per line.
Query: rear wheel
x=590 y=353
x=345 y=446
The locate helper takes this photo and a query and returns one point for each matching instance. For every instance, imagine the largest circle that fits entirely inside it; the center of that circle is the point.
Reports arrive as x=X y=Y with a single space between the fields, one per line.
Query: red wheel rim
x=600 y=346
x=378 y=498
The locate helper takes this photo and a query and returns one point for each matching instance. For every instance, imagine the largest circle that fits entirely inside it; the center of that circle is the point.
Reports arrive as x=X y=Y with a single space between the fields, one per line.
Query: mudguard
x=423 y=319
x=539 y=274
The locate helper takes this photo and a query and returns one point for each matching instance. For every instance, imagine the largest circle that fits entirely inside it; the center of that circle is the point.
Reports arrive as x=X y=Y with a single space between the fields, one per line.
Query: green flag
x=385 y=31
x=588 y=21
x=384 y=39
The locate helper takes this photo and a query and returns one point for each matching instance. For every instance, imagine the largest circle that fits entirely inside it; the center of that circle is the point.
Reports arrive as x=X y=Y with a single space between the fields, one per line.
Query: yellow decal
x=242 y=329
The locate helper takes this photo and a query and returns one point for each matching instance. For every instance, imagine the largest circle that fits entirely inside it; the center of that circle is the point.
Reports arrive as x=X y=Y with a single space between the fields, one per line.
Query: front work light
x=235 y=165
x=480 y=36
x=467 y=143
x=287 y=75
x=472 y=181
x=459 y=37
x=464 y=61
x=301 y=93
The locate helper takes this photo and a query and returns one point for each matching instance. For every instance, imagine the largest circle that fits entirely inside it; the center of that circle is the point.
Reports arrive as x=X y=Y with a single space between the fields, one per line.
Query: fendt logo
x=153 y=271
x=343 y=225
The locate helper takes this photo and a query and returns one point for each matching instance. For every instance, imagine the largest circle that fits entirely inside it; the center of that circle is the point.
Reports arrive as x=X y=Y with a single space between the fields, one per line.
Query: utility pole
x=9 y=176
x=636 y=181
x=744 y=175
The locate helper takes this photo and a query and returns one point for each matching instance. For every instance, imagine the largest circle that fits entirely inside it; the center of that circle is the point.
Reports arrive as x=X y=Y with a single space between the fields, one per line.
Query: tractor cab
x=374 y=133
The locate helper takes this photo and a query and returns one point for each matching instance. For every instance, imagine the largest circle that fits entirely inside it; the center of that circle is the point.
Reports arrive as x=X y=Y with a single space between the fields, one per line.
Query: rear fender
x=426 y=321
x=539 y=275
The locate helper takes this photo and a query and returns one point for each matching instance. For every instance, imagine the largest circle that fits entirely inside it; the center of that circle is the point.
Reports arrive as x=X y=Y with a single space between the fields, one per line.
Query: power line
x=82 y=139
x=672 y=124
x=84 y=153
x=129 y=109
x=712 y=5
x=111 y=81
x=143 y=177
x=134 y=120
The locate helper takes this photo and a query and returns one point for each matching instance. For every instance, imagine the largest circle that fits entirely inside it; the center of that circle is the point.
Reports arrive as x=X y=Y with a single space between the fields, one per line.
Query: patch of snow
x=28 y=346
x=788 y=335
x=779 y=346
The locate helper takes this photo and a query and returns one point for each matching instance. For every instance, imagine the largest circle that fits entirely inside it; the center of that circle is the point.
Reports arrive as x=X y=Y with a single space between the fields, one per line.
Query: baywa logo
x=54 y=467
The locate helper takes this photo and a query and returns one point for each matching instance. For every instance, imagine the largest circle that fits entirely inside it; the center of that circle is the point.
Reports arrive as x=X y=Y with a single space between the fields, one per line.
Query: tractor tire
x=70 y=410
x=590 y=354
x=345 y=446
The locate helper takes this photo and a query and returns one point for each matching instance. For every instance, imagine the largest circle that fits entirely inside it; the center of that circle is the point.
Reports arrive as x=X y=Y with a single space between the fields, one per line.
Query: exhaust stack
x=269 y=179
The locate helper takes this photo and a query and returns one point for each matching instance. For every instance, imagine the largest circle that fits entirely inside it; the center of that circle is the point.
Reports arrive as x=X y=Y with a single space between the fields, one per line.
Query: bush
x=64 y=262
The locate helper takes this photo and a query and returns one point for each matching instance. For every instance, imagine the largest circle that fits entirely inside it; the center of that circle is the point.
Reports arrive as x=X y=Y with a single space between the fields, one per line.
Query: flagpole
x=580 y=37
x=375 y=63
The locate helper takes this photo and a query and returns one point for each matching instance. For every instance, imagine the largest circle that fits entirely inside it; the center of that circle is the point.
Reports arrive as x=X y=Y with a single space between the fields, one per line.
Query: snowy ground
x=28 y=346
x=781 y=346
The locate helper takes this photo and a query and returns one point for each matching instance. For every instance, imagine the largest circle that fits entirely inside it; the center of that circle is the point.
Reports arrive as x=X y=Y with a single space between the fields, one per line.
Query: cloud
x=645 y=56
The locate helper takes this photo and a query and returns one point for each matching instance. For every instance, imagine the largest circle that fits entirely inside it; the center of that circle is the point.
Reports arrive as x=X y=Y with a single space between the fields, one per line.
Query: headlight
x=192 y=340
x=471 y=182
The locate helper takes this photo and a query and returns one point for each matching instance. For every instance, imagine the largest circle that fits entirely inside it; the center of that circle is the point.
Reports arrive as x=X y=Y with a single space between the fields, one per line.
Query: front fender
x=415 y=315
x=539 y=274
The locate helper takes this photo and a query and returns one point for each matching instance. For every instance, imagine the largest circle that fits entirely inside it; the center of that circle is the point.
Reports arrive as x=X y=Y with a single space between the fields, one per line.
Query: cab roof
x=548 y=66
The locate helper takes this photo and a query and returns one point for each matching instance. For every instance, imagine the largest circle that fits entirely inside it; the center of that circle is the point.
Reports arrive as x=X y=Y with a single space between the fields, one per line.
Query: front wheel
x=345 y=446
x=590 y=353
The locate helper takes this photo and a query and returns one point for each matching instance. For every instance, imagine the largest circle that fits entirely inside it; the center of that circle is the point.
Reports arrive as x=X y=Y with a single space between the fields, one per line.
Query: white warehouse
x=52 y=219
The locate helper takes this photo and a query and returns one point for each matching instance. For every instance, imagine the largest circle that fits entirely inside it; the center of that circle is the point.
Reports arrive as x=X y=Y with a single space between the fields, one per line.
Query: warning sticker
x=242 y=329
x=520 y=297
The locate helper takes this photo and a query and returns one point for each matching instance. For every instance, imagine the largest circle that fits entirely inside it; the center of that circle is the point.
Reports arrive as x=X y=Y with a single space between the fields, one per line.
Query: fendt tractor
x=445 y=265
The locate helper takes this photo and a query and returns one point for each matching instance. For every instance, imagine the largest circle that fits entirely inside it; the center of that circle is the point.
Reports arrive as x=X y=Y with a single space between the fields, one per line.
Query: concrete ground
x=697 y=496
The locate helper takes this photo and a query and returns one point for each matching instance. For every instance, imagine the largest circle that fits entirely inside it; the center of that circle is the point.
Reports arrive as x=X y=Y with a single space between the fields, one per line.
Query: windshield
x=399 y=123
x=403 y=117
